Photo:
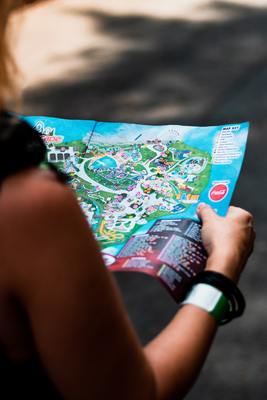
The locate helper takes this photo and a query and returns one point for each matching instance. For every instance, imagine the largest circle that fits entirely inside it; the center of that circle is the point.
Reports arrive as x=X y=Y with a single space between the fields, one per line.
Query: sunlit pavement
x=189 y=62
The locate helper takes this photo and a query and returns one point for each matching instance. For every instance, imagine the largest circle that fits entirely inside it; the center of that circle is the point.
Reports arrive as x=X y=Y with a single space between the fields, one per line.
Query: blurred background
x=192 y=62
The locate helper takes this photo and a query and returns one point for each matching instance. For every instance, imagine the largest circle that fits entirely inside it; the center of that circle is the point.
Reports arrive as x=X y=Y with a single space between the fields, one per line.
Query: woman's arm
x=178 y=353
x=80 y=327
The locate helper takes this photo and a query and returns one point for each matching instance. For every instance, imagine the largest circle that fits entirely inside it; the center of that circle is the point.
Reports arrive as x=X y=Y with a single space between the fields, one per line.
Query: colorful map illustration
x=139 y=187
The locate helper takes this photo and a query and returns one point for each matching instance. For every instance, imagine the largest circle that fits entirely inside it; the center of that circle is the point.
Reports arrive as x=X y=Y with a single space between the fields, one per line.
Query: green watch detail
x=221 y=309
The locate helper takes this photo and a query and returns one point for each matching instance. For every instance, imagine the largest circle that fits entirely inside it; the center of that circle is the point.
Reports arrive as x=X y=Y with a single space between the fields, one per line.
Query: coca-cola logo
x=218 y=192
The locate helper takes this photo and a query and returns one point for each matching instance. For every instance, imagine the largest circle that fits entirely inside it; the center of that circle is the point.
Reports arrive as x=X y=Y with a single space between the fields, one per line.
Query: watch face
x=209 y=299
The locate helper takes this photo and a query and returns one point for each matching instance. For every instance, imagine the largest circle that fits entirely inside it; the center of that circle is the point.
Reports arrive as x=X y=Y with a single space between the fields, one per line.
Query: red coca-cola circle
x=218 y=192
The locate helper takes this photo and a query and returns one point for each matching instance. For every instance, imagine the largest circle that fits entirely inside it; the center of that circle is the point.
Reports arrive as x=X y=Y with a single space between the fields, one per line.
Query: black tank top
x=26 y=379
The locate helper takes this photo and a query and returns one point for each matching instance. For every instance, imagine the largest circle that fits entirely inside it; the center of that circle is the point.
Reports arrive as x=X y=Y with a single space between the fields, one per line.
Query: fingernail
x=202 y=204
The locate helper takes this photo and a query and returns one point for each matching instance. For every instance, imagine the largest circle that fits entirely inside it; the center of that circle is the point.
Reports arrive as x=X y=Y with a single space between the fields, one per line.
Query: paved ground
x=187 y=62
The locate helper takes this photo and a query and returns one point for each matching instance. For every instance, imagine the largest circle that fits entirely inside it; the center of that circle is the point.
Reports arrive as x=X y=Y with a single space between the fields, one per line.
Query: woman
x=64 y=332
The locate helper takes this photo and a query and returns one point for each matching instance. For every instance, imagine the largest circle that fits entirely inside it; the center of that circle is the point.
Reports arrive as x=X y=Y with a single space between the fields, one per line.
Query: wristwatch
x=217 y=294
x=209 y=299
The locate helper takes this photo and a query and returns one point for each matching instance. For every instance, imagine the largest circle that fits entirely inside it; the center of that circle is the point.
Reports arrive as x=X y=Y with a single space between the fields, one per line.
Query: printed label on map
x=171 y=250
x=226 y=148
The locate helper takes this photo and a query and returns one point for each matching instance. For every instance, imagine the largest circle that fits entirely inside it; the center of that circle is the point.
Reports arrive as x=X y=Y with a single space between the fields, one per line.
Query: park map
x=139 y=186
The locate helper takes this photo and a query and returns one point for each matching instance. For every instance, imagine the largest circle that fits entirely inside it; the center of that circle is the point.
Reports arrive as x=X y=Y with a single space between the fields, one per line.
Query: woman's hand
x=227 y=240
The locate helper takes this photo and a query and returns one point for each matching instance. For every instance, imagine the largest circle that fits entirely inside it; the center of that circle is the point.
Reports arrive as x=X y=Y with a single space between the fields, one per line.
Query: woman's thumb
x=205 y=212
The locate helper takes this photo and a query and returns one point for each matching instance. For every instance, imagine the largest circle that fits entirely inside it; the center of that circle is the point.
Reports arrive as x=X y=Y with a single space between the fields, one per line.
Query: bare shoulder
x=76 y=314
x=41 y=221
x=24 y=190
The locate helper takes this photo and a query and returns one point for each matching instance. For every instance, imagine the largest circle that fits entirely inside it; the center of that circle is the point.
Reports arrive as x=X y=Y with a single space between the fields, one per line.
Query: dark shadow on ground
x=177 y=71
